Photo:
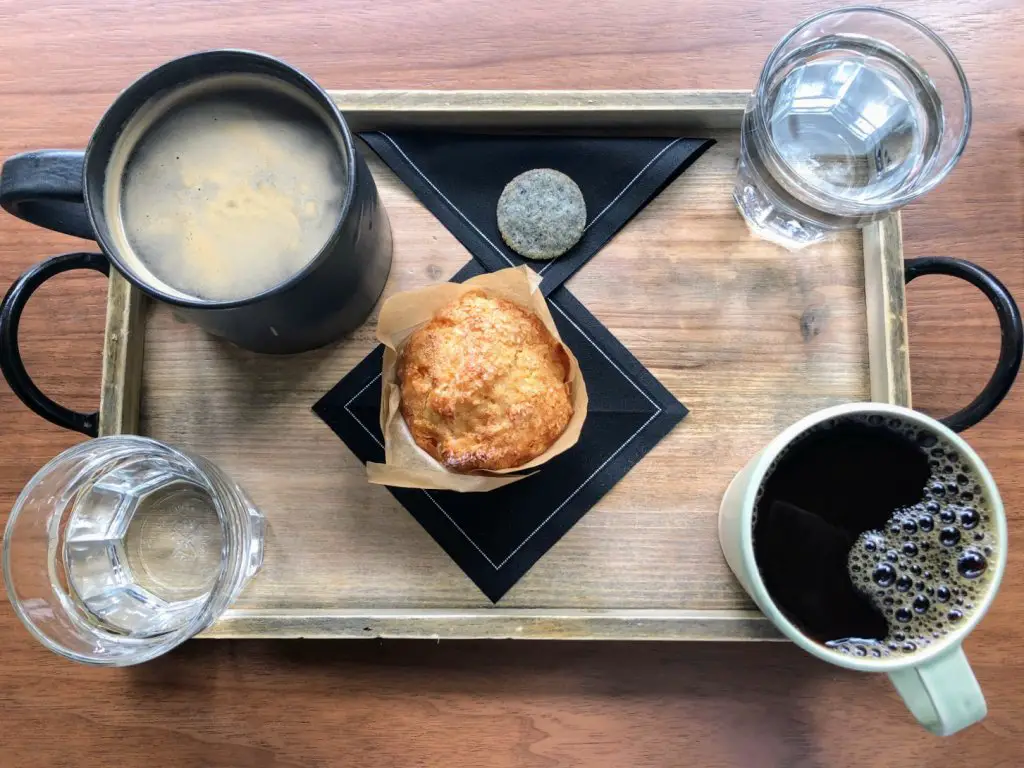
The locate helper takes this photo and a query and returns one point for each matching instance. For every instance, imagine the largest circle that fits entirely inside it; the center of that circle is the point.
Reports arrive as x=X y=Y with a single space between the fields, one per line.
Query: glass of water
x=857 y=112
x=123 y=547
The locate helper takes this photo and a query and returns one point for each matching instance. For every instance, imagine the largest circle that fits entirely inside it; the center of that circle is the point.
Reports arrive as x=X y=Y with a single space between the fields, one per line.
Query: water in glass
x=857 y=112
x=123 y=547
x=142 y=547
x=855 y=120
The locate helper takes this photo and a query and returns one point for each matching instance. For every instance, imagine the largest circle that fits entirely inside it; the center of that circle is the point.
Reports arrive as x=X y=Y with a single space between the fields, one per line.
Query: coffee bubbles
x=874 y=536
x=943 y=549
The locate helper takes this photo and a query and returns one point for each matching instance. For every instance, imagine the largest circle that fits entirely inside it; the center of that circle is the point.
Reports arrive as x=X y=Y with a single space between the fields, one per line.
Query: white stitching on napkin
x=355 y=419
x=632 y=437
x=582 y=485
x=507 y=259
x=567 y=498
x=615 y=199
x=442 y=196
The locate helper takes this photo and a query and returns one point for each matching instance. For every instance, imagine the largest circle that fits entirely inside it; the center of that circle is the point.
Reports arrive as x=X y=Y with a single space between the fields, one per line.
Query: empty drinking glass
x=123 y=547
x=857 y=112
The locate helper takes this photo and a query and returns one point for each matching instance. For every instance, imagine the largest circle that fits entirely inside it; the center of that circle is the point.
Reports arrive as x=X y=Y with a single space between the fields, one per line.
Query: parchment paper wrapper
x=406 y=464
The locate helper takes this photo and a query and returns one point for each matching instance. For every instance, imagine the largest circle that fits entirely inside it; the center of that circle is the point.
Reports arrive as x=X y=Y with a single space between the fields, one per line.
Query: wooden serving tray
x=751 y=337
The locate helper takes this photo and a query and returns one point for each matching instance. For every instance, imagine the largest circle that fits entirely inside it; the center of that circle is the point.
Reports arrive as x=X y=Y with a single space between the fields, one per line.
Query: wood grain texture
x=650 y=113
x=705 y=300
x=123 y=358
x=503 y=704
x=887 y=312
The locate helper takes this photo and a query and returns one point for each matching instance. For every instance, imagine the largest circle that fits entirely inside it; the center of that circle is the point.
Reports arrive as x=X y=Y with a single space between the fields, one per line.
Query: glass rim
x=144 y=648
x=895 y=203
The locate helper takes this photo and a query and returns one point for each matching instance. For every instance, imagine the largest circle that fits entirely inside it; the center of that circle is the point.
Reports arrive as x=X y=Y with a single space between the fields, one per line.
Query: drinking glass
x=123 y=547
x=857 y=112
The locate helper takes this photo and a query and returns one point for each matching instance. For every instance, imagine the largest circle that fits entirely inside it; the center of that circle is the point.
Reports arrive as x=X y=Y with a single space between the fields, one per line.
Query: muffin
x=484 y=385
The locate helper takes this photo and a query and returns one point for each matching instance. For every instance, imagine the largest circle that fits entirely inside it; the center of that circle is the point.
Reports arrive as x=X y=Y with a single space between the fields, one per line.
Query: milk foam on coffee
x=226 y=187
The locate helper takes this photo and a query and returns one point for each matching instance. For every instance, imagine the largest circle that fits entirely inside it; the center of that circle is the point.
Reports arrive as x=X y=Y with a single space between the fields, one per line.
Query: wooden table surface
x=301 y=703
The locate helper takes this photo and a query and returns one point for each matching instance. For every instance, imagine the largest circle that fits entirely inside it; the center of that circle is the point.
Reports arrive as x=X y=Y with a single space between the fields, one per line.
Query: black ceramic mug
x=67 y=191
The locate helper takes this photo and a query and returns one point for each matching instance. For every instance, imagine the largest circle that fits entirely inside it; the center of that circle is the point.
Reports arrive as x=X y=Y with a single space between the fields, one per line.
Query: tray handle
x=10 y=355
x=1011 y=332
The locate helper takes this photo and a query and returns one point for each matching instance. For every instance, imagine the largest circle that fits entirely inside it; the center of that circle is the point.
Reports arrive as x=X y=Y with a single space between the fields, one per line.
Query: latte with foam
x=227 y=187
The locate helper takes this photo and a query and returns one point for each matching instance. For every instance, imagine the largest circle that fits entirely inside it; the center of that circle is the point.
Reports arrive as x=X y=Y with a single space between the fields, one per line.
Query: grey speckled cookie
x=541 y=214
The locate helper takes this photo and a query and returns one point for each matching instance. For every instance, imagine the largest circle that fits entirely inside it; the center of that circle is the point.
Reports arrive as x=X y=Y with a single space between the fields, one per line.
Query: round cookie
x=541 y=214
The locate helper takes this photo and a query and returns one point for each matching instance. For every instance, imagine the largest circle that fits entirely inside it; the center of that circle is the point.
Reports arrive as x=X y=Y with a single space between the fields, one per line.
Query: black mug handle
x=44 y=187
x=10 y=356
x=1011 y=331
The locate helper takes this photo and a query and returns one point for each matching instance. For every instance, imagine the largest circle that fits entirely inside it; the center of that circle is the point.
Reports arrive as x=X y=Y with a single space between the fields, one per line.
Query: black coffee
x=874 y=536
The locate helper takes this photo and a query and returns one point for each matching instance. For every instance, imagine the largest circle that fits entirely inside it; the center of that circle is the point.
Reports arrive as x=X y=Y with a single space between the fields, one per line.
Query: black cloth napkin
x=459 y=177
x=497 y=539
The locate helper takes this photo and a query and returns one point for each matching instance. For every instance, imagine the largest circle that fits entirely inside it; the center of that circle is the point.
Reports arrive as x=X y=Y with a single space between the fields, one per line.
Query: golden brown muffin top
x=484 y=385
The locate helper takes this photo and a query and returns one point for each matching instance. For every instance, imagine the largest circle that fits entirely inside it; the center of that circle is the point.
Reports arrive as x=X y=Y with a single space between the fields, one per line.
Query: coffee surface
x=228 y=187
x=874 y=537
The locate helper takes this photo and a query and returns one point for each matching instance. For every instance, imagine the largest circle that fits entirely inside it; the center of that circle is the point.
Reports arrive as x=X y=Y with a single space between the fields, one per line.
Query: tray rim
x=889 y=363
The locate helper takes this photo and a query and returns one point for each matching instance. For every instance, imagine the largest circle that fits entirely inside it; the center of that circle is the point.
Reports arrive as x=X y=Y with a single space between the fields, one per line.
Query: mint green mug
x=936 y=682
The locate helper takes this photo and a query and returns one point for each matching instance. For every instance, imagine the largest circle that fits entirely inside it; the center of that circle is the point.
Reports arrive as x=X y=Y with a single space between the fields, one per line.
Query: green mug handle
x=942 y=693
